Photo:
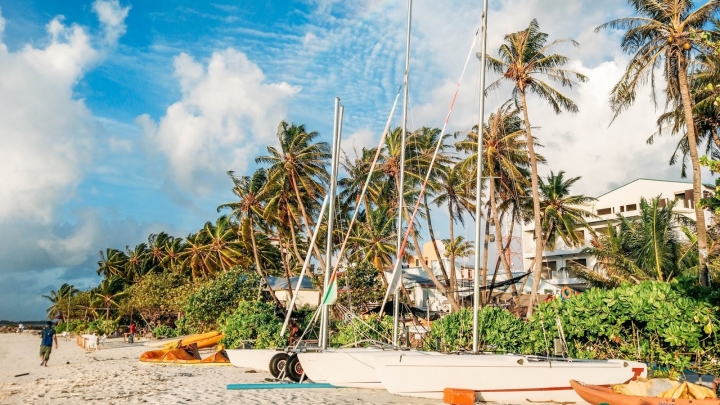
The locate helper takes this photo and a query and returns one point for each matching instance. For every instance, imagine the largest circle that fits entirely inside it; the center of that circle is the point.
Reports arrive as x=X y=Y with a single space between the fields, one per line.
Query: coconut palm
x=195 y=256
x=60 y=301
x=666 y=34
x=249 y=189
x=646 y=247
x=524 y=59
x=301 y=163
x=562 y=213
x=223 y=250
x=173 y=249
x=112 y=263
x=156 y=249
x=375 y=242
x=108 y=292
x=138 y=263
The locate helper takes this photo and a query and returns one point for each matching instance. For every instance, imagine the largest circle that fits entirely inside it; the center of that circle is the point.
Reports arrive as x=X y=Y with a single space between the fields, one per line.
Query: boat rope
x=398 y=264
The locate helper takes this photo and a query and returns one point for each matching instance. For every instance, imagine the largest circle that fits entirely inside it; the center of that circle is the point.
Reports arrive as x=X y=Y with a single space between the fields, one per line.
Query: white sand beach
x=115 y=376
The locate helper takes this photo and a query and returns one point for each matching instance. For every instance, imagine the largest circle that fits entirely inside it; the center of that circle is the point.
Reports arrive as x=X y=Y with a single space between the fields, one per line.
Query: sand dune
x=115 y=376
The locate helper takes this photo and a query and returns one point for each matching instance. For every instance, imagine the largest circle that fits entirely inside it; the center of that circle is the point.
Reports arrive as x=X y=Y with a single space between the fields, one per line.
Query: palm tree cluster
x=267 y=227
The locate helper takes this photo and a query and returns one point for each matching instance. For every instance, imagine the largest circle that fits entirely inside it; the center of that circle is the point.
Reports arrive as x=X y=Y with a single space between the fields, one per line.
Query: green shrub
x=253 y=321
x=204 y=307
x=165 y=331
x=350 y=332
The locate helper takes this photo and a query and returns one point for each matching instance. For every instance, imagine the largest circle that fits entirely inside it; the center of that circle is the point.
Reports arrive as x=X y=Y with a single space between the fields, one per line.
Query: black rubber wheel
x=293 y=368
x=277 y=364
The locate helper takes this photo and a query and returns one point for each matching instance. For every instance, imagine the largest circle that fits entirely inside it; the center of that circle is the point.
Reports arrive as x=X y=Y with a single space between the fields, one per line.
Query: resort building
x=623 y=200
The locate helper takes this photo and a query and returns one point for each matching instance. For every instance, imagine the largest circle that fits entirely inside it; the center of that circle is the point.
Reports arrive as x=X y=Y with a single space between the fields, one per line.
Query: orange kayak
x=183 y=357
x=596 y=395
x=204 y=340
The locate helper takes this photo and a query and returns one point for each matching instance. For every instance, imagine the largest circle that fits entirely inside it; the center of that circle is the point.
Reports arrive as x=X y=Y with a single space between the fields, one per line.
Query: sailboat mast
x=401 y=201
x=331 y=217
x=478 y=181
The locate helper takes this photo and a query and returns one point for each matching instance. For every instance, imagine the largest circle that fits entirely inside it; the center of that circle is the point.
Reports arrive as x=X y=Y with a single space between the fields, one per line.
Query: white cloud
x=226 y=112
x=112 y=18
x=120 y=145
x=46 y=137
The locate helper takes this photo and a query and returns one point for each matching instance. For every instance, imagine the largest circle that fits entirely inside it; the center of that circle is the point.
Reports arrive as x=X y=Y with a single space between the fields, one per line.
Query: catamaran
x=496 y=377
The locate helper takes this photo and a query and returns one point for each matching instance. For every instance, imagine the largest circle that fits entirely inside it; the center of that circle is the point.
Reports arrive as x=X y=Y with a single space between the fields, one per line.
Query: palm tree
x=138 y=263
x=646 y=247
x=60 y=301
x=249 y=190
x=223 y=251
x=173 y=249
x=301 y=163
x=665 y=34
x=112 y=263
x=524 y=59
x=562 y=214
x=156 y=249
x=375 y=242
x=453 y=188
x=108 y=292
x=195 y=256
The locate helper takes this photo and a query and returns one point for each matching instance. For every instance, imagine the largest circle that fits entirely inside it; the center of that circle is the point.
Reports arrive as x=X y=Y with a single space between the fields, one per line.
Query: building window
x=663 y=202
x=417 y=262
x=580 y=262
x=604 y=211
x=622 y=208
x=547 y=269
x=581 y=235
x=631 y=207
x=426 y=261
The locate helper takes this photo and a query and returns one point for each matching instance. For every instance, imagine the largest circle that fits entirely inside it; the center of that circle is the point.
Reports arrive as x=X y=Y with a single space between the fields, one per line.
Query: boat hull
x=312 y=367
x=347 y=367
x=257 y=359
x=596 y=395
x=499 y=378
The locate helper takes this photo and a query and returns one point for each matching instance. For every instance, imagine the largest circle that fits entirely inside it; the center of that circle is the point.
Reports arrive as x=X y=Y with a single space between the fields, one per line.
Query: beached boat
x=596 y=395
x=496 y=377
x=185 y=357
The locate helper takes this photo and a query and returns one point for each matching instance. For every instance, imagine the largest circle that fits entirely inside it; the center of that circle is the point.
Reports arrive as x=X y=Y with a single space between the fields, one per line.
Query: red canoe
x=596 y=395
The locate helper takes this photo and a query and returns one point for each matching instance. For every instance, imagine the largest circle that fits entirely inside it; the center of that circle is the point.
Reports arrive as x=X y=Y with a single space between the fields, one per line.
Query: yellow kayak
x=197 y=338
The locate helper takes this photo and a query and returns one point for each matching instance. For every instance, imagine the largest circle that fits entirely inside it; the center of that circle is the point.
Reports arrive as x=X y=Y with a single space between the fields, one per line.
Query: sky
x=121 y=118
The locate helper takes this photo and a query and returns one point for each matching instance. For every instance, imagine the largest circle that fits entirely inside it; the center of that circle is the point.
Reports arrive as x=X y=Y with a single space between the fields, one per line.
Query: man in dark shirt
x=47 y=337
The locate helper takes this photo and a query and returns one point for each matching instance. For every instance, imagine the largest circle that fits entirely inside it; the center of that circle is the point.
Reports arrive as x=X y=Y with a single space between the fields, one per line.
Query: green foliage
x=101 y=326
x=158 y=297
x=166 y=331
x=712 y=202
x=363 y=282
x=662 y=322
x=218 y=296
x=499 y=330
x=356 y=330
x=253 y=321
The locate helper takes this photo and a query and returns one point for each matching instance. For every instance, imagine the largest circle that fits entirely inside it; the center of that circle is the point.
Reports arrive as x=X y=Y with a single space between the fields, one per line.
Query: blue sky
x=122 y=117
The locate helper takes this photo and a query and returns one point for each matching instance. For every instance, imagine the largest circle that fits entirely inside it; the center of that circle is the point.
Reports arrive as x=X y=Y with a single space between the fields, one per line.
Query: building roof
x=642 y=178
x=280 y=283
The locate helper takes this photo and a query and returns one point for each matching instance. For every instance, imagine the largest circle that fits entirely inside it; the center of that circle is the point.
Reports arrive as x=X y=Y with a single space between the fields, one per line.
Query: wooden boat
x=596 y=395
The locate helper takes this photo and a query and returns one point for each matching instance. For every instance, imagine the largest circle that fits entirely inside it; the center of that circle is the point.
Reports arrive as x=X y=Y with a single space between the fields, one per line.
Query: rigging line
x=398 y=264
x=367 y=182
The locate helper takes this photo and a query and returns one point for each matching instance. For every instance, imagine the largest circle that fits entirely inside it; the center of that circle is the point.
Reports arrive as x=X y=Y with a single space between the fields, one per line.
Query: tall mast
x=478 y=180
x=337 y=123
x=396 y=296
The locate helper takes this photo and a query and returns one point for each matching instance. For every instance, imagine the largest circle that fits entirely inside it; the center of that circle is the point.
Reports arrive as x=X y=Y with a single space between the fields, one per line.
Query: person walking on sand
x=131 y=338
x=47 y=337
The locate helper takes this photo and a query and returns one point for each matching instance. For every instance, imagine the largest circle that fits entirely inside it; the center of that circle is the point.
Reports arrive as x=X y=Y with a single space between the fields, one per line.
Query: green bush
x=102 y=326
x=659 y=323
x=498 y=329
x=165 y=331
x=253 y=321
x=218 y=296
x=350 y=332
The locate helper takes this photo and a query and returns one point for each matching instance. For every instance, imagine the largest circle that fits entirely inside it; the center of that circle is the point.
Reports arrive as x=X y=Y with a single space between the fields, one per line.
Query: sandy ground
x=115 y=376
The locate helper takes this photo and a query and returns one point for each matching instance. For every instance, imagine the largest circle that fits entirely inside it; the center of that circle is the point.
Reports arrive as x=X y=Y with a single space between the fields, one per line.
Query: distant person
x=294 y=331
x=21 y=327
x=47 y=337
x=131 y=337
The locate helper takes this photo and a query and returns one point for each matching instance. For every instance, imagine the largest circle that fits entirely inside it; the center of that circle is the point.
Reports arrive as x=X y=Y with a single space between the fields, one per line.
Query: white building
x=623 y=200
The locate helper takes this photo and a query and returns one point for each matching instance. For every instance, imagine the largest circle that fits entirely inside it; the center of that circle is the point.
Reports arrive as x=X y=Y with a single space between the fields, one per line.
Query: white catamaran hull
x=311 y=366
x=501 y=378
x=351 y=367
x=258 y=359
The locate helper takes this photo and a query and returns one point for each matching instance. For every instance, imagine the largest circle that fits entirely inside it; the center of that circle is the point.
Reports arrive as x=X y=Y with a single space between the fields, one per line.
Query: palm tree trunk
x=498 y=238
x=284 y=253
x=449 y=282
x=535 y=266
x=107 y=311
x=453 y=274
x=257 y=264
x=486 y=247
x=443 y=290
x=497 y=263
x=697 y=182
x=294 y=240
x=318 y=255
